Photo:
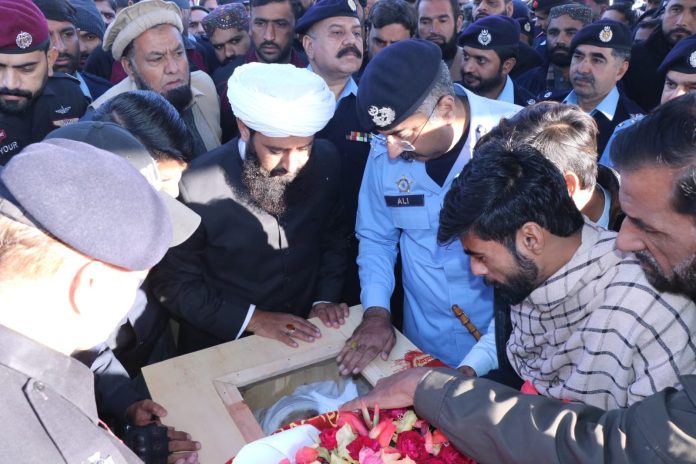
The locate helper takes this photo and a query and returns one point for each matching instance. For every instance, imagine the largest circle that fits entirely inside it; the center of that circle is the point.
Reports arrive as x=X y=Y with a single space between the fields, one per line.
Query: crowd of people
x=176 y=175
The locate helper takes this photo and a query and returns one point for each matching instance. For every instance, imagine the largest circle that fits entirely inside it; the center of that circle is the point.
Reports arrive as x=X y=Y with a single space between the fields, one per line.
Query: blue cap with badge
x=490 y=33
x=604 y=33
x=396 y=81
x=326 y=9
x=682 y=57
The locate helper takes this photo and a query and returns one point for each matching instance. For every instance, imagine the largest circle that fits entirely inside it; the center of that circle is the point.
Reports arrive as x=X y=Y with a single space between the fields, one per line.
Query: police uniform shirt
x=48 y=411
x=61 y=102
x=399 y=207
x=513 y=93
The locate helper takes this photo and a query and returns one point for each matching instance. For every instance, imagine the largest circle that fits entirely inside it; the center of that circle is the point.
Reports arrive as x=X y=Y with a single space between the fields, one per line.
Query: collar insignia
x=382 y=116
x=484 y=38
x=404 y=185
x=547 y=94
x=24 y=40
x=606 y=34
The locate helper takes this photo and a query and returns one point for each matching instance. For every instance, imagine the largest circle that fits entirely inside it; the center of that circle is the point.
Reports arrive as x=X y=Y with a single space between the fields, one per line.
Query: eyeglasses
x=403 y=145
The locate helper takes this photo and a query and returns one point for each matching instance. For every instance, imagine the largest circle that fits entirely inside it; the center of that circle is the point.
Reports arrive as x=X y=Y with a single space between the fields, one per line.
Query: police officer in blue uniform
x=427 y=130
x=33 y=99
x=344 y=130
x=594 y=86
x=678 y=71
x=492 y=44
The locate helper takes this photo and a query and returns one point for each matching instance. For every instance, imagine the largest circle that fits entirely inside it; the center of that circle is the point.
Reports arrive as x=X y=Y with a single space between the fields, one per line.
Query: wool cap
x=132 y=21
x=89 y=199
x=88 y=18
x=396 y=81
x=575 y=11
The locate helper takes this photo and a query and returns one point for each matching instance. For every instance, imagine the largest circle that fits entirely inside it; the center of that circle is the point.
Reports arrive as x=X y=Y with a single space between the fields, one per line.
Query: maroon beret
x=24 y=27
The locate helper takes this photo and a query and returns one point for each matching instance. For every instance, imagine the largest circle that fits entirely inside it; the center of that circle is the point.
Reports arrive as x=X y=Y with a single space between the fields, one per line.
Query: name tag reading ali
x=404 y=200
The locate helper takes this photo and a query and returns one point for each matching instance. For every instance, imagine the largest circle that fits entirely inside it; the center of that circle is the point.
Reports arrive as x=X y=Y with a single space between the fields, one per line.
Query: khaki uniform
x=48 y=412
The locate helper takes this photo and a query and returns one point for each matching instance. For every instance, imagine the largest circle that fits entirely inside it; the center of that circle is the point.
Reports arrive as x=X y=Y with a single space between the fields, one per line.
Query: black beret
x=491 y=33
x=325 y=9
x=545 y=5
x=115 y=139
x=91 y=200
x=396 y=81
x=682 y=57
x=604 y=33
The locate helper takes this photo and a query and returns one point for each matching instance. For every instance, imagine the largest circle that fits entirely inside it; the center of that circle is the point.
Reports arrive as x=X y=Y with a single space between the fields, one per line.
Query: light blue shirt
x=605 y=159
x=351 y=88
x=435 y=277
x=508 y=93
x=83 y=86
x=607 y=106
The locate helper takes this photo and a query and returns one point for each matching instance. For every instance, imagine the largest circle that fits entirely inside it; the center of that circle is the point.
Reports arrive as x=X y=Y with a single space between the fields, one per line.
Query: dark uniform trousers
x=48 y=413
x=241 y=255
x=61 y=102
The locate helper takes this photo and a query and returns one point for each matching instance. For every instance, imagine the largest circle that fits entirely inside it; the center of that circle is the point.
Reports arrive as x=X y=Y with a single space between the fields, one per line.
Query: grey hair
x=443 y=87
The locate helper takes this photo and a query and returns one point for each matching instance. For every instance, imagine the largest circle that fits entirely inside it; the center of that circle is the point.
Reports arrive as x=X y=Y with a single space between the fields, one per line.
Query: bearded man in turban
x=271 y=248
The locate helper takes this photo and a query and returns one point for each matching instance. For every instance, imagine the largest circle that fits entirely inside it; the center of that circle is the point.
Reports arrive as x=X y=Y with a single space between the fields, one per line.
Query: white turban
x=280 y=100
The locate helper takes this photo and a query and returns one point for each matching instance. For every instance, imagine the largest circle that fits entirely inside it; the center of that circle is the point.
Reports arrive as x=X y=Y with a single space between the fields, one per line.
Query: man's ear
x=530 y=237
x=572 y=182
x=509 y=8
x=508 y=65
x=308 y=45
x=244 y=131
x=51 y=56
x=126 y=63
x=446 y=108
x=623 y=67
x=84 y=296
x=459 y=22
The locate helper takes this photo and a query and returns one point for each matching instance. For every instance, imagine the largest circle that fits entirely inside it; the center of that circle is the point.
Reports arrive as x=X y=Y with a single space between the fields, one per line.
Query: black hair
x=626 y=10
x=203 y=9
x=506 y=52
x=456 y=12
x=152 y=120
x=504 y=186
x=386 y=12
x=665 y=138
x=255 y=3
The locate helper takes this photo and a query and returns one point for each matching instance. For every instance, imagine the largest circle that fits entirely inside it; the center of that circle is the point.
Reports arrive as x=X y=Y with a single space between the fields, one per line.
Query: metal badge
x=63 y=110
x=606 y=34
x=352 y=5
x=527 y=27
x=692 y=59
x=24 y=40
x=382 y=116
x=484 y=38
x=404 y=185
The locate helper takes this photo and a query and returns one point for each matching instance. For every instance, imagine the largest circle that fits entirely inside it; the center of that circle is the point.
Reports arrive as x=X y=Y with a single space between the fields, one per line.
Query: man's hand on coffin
x=331 y=314
x=395 y=391
x=374 y=336
x=181 y=448
x=282 y=327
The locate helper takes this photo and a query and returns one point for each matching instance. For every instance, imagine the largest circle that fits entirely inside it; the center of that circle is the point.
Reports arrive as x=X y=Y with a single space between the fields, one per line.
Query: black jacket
x=241 y=255
x=61 y=102
x=641 y=82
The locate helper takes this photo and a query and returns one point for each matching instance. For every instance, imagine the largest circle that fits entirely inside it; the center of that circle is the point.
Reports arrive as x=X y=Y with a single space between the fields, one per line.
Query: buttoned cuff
x=375 y=296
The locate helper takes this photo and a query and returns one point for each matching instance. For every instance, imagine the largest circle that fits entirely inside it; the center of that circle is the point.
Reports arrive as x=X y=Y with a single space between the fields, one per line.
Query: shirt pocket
x=410 y=217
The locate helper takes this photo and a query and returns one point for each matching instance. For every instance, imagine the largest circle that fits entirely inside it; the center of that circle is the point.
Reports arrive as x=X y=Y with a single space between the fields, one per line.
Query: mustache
x=15 y=92
x=269 y=44
x=559 y=48
x=681 y=30
x=432 y=37
x=349 y=49
x=583 y=77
